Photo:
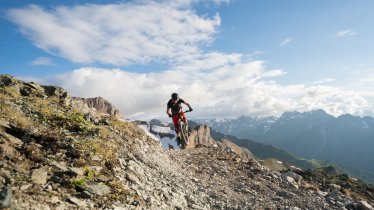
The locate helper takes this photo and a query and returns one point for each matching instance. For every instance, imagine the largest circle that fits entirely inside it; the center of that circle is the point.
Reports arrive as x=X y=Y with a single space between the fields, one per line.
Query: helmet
x=174 y=96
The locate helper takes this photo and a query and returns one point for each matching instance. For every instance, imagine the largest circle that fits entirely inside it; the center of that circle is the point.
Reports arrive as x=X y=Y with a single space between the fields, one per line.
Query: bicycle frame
x=180 y=115
x=182 y=129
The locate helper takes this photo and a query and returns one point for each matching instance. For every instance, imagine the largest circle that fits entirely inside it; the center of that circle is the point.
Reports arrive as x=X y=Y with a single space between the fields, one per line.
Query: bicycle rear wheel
x=183 y=134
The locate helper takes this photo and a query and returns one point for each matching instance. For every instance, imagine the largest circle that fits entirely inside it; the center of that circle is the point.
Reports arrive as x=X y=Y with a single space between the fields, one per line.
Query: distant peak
x=300 y=114
x=319 y=111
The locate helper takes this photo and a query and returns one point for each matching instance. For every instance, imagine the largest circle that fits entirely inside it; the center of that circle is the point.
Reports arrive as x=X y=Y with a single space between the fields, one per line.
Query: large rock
x=200 y=136
x=100 y=105
x=7 y=80
x=363 y=205
x=39 y=176
x=293 y=175
x=99 y=189
x=55 y=91
x=5 y=197
x=243 y=153
x=78 y=202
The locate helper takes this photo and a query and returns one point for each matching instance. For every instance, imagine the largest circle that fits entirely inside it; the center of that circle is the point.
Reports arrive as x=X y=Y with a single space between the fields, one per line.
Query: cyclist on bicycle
x=175 y=106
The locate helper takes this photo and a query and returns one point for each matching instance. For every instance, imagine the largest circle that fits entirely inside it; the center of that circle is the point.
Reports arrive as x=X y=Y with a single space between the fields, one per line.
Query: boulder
x=59 y=165
x=39 y=176
x=200 y=137
x=76 y=171
x=34 y=152
x=99 y=189
x=241 y=152
x=78 y=202
x=7 y=80
x=5 y=197
x=11 y=139
x=296 y=177
x=55 y=91
x=363 y=205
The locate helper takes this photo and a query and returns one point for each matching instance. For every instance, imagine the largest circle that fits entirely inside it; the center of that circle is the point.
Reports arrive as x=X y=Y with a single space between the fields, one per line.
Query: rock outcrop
x=21 y=88
x=200 y=136
x=241 y=152
x=101 y=105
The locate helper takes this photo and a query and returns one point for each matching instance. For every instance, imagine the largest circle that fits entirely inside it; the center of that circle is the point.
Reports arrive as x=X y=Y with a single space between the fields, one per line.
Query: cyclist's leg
x=176 y=127
x=175 y=121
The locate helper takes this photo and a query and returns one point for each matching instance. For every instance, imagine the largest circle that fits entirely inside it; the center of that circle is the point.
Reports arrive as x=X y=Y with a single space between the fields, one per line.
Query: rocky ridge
x=54 y=155
x=100 y=105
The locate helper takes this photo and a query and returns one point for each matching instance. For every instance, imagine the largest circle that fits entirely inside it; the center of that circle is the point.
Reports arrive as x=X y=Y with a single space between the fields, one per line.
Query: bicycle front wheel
x=183 y=134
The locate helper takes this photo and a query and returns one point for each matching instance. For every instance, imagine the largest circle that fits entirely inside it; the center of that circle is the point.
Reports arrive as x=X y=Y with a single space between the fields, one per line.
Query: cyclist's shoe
x=178 y=141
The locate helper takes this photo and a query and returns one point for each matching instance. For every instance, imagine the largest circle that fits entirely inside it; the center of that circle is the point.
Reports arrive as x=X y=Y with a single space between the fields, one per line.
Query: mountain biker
x=175 y=106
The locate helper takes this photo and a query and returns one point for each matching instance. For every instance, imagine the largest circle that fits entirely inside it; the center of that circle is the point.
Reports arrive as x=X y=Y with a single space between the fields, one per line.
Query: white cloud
x=326 y=80
x=117 y=34
x=285 y=42
x=187 y=3
x=233 y=88
x=221 y=1
x=368 y=79
x=215 y=84
x=42 y=61
x=346 y=33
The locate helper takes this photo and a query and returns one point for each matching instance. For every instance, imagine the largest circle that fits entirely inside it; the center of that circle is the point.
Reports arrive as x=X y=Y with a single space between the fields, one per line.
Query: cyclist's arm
x=187 y=104
x=168 y=111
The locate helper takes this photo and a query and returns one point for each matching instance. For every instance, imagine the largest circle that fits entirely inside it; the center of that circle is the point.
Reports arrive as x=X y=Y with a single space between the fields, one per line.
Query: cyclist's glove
x=191 y=109
x=170 y=115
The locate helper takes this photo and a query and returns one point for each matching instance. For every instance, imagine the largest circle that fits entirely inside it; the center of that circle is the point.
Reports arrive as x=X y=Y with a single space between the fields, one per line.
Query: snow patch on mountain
x=164 y=134
x=146 y=130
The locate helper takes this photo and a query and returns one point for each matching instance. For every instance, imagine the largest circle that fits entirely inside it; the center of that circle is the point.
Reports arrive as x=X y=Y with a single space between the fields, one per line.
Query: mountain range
x=345 y=140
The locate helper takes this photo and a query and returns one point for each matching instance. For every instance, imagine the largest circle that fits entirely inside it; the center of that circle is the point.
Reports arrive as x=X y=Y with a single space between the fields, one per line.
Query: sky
x=226 y=58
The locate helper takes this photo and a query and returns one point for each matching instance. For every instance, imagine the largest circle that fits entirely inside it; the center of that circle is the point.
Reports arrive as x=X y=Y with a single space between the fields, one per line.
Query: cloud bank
x=232 y=89
x=116 y=34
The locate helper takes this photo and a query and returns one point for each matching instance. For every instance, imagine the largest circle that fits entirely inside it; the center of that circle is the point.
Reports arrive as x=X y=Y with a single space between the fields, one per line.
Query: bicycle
x=182 y=129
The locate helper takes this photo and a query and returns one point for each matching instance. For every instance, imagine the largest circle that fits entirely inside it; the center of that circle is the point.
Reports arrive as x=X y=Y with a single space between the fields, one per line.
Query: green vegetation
x=71 y=121
x=78 y=182
x=89 y=175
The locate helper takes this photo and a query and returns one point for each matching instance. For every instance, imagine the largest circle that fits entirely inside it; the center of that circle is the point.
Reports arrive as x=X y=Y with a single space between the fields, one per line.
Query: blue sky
x=225 y=57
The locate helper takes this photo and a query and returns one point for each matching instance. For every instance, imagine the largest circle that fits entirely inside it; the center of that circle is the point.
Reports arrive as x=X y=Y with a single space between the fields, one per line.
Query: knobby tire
x=183 y=134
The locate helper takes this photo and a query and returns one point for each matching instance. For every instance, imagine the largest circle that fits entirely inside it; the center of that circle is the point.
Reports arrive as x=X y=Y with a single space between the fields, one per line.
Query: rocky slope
x=54 y=155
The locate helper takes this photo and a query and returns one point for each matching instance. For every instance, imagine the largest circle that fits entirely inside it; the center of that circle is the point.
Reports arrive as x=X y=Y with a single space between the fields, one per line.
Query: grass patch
x=71 y=121
x=89 y=175
x=78 y=182
x=11 y=114
x=105 y=149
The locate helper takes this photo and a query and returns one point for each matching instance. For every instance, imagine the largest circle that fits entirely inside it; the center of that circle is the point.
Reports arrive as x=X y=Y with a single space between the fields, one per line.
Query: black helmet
x=174 y=96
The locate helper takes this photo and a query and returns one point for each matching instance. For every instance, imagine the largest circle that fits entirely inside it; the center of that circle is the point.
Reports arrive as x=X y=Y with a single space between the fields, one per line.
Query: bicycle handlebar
x=181 y=112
